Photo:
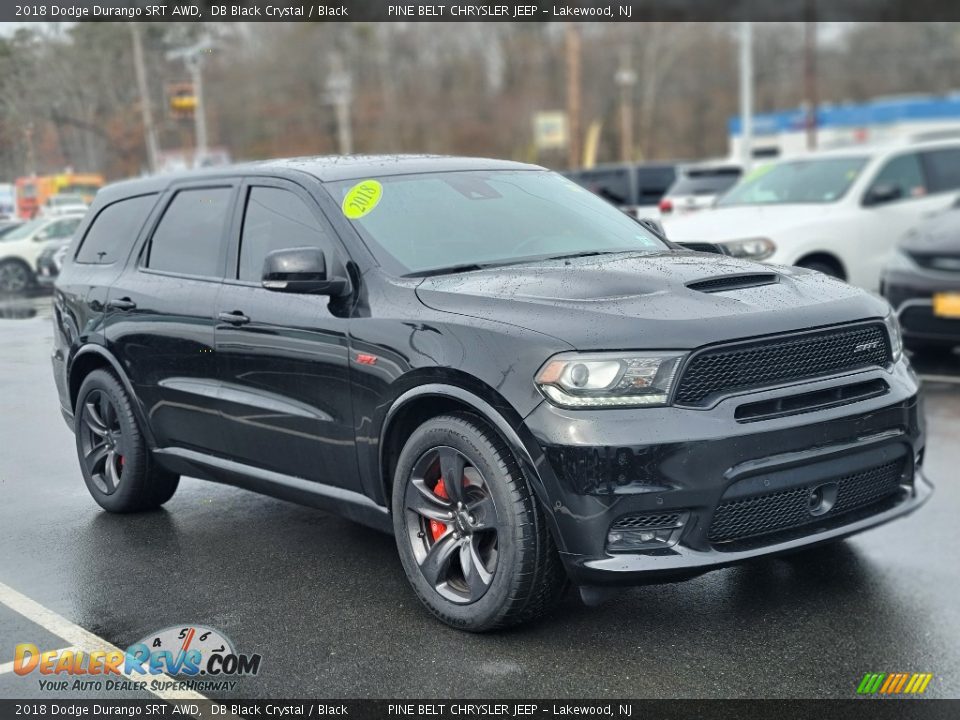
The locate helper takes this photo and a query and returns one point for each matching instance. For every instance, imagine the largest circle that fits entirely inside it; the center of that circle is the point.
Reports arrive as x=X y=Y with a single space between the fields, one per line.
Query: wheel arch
x=826 y=257
x=430 y=399
x=92 y=357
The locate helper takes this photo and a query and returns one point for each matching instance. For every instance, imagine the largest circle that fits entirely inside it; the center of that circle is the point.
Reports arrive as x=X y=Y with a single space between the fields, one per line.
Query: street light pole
x=340 y=95
x=626 y=78
x=193 y=59
x=149 y=131
x=746 y=95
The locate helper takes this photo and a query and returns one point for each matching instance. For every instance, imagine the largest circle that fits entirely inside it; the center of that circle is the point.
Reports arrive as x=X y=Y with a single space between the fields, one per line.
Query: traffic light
x=181 y=100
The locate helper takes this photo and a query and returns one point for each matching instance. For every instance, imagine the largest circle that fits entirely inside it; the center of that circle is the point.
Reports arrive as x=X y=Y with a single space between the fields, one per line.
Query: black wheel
x=116 y=463
x=472 y=539
x=15 y=277
x=823 y=267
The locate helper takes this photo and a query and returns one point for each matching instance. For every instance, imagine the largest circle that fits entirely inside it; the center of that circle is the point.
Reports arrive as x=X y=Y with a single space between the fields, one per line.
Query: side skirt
x=349 y=504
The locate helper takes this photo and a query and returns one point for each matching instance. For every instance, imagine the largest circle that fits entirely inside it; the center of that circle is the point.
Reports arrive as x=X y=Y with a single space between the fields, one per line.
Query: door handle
x=123 y=303
x=234 y=318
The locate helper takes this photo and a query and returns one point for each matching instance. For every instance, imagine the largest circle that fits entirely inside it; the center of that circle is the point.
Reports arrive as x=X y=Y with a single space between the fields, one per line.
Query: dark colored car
x=50 y=261
x=634 y=188
x=518 y=381
x=922 y=283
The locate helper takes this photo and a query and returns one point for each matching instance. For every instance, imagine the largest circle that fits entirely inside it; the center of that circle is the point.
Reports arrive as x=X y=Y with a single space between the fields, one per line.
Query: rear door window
x=114 y=230
x=943 y=169
x=189 y=240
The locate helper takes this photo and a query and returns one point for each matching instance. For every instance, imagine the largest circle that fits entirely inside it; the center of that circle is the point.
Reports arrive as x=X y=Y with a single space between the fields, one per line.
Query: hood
x=940 y=235
x=743 y=221
x=643 y=301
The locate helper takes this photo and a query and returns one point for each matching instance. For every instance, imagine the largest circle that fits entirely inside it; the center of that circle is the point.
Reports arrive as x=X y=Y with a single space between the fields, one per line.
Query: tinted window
x=612 y=185
x=943 y=169
x=189 y=237
x=652 y=183
x=705 y=182
x=114 y=230
x=275 y=219
x=905 y=173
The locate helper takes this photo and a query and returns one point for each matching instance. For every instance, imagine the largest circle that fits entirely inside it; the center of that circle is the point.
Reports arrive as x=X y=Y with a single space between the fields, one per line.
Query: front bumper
x=601 y=467
x=910 y=292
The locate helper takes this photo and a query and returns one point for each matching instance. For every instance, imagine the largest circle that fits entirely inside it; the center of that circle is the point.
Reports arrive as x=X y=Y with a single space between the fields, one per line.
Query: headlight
x=751 y=248
x=609 y=379
x=896 y=336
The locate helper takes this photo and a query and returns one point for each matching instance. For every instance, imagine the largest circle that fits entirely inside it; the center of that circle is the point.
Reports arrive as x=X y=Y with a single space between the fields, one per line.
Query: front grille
x=944 y=263
x=787 y=509
x=648 y=520
x=774 y=361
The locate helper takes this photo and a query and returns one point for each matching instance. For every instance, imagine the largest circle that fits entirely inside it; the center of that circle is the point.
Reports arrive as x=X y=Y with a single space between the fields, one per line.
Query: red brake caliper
x=438 y=528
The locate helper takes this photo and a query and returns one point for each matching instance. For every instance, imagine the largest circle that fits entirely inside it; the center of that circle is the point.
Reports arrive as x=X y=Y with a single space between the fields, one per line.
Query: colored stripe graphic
x=894 y=683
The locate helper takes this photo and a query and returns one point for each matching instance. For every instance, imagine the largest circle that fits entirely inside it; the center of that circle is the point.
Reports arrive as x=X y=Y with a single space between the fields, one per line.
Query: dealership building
x=905 y=117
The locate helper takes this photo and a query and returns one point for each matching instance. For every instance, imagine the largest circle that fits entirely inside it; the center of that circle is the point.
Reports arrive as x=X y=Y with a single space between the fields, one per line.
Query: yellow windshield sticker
x=361 y=199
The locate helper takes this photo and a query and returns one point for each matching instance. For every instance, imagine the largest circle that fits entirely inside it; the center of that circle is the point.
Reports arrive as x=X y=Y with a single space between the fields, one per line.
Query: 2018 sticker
x=361 y=199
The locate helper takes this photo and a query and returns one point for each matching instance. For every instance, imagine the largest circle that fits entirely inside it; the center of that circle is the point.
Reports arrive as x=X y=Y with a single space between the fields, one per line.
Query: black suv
x=518 y=381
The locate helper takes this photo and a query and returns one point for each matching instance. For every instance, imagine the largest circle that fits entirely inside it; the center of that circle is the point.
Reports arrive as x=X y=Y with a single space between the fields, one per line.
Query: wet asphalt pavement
x=325 y=602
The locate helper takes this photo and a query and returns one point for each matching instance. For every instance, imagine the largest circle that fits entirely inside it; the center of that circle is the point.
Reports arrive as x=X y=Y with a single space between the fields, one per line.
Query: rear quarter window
x=114 y=230
x=190 y=237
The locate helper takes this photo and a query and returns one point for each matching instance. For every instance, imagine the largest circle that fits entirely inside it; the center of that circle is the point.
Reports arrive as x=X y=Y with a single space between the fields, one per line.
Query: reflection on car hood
x=743 y=221
x=642 y=300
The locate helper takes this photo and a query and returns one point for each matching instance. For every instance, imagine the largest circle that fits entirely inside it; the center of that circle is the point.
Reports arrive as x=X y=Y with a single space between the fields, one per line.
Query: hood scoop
x=723 y=283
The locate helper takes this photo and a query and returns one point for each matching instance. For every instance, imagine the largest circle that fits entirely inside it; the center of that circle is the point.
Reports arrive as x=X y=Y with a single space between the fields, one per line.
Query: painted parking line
x=79 y=638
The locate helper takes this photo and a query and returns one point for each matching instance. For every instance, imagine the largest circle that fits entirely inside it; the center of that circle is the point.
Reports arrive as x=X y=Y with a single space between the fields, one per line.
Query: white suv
x=840 y=212
x=20 y=248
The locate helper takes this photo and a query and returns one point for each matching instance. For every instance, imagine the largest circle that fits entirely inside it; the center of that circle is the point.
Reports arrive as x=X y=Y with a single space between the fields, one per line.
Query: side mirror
x=300 y=270
x=882 y=193
x=42 y=236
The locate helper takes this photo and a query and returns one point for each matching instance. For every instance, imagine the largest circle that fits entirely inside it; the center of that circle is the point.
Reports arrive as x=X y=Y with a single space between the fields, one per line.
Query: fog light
x=643 y=532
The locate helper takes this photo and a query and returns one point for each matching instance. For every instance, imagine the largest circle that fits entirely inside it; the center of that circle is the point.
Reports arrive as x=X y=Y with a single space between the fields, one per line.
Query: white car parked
x=839 y=212
x=20 y=248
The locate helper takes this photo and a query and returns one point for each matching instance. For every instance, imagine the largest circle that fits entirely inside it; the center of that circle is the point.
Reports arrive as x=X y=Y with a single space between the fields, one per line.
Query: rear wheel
x=15 y=277
x=471 y=537
x=116 y=463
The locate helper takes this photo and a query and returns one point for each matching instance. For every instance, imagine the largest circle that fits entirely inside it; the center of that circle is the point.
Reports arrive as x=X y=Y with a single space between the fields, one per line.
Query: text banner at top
x=479 y=10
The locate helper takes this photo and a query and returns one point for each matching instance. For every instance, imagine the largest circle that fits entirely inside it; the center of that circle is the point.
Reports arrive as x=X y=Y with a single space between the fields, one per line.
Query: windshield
x=823 y=180
x=425 y=222
x=25 y=230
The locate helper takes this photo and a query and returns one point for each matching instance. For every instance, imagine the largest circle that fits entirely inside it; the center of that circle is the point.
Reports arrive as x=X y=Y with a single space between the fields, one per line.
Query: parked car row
x=23 y=246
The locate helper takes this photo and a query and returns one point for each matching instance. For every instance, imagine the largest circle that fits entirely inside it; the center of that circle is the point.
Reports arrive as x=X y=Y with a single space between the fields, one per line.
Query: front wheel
x=15 y=277
x=472 y=539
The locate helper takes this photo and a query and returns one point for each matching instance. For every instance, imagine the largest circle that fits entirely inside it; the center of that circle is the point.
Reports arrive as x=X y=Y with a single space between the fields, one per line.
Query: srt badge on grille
x=863 y=347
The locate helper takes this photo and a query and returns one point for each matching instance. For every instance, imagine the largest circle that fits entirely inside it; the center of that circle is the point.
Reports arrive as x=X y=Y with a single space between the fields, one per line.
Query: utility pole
x=746 y=96
x=573 y=94
x=193 y=58
x=810 y=74
x=626 y=78
x=149 y=132
x=340 y=95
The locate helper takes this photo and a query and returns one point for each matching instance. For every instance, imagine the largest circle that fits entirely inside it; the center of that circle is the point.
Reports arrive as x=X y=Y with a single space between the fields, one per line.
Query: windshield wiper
x=448 y=270
x=588 y=253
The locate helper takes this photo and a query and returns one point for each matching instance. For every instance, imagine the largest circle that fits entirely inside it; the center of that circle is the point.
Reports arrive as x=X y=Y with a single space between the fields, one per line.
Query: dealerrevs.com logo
x=198 y=657
x=894 y=683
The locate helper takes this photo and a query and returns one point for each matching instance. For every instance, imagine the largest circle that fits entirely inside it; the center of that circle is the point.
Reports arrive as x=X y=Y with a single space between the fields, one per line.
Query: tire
x=500 y=529
x=117 y=466
x=15 y=277
x=822 y=267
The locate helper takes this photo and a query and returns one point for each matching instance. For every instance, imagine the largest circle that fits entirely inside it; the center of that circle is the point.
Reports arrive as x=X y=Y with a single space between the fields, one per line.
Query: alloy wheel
x=14 y=277
x=452 y=524
x=101 y=441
